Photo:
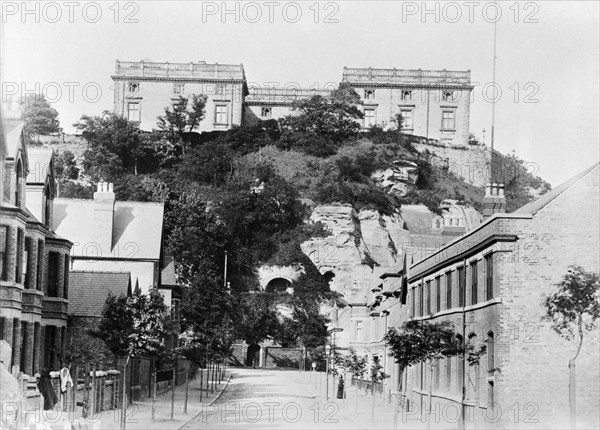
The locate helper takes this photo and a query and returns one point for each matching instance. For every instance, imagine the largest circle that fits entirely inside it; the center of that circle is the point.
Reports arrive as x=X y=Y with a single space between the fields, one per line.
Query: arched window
x=459 y=367
x=472 y=381
x=490 y=353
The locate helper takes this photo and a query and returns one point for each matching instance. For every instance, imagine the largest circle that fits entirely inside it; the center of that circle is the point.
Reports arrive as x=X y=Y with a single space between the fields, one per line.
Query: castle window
x=491 y=353
x=47 y=206
x=266 y=112
x=221 y=117
x=406 y=95
x=448 y=122
x=369 y=94
x=448 y=96
x=407 y=119
x=40 y=264
x=28 y=261
x=133 y=87
x=421 y=302
x=178 y=88
x=358 y=330
x=369 y=118
x=428 y=297
x=66 y=277
x=133 y=111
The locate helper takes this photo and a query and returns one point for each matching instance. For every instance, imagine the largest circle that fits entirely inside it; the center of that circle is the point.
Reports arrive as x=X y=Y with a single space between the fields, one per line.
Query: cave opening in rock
x=278 y=285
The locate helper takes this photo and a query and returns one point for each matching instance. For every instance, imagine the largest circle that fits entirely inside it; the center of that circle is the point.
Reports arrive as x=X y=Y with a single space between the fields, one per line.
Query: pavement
x=139 y=414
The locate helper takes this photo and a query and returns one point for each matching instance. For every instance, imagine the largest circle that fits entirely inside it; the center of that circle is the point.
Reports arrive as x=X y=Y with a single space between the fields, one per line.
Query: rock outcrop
x=365 y=244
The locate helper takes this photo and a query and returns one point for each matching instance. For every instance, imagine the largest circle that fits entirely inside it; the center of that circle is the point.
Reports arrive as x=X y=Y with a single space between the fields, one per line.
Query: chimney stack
x=104 y=206
x=494 y=200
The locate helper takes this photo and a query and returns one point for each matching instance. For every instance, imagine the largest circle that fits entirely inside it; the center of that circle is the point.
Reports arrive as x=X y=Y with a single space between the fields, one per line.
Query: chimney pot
x=494 y=189
x=488 y=189
x=110 y=187
x=98 y=185
x=501 y=190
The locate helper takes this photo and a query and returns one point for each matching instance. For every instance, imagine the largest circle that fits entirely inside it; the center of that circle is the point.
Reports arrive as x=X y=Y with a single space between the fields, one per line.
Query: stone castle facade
x=433 y=103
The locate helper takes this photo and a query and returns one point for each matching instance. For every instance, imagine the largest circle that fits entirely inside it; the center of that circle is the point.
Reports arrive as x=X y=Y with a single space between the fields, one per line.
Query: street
x=258 y=398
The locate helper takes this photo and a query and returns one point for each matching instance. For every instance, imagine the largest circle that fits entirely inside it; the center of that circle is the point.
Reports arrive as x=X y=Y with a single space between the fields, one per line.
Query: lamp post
x=327 y=352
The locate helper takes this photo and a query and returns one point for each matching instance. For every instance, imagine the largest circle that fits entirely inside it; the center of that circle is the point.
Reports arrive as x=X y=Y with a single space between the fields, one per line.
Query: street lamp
x=327 y=352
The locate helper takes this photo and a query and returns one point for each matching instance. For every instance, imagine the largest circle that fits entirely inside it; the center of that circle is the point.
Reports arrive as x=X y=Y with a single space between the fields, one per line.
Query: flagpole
x=493 y=108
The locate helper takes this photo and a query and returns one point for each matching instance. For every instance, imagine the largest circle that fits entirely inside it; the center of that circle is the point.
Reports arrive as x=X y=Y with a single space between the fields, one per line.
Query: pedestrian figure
x=46 y=390
x=340 y=391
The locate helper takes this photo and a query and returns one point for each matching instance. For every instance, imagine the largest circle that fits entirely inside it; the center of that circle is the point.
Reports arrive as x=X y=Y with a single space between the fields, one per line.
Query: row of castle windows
x=407 y=95
x=179 y=89
x=221 y=115
x=448 y=118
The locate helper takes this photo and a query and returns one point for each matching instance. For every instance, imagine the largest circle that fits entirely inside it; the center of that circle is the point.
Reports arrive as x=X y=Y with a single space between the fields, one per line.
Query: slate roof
x=137 y=227
x=168 y=277
x=536 y=205
x=39 y=164
x=88 y=290
x=12 y=132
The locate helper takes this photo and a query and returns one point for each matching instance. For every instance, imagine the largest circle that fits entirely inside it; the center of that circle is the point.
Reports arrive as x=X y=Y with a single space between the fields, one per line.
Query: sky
x=547 y=73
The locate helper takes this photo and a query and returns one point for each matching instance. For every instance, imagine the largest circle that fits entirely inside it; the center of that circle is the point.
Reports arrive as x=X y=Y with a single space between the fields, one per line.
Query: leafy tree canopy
x=39 y=116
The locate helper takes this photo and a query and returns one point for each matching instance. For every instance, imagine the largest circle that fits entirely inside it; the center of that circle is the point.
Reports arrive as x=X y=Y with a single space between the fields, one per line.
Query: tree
x=258 y=317
x=377 y=375
x=135 y=325
x=115 y=145
x=575 y=310
x=421 y=341
x=181 y=119
x=356 y=366
x=322 y=123
x=39 y=116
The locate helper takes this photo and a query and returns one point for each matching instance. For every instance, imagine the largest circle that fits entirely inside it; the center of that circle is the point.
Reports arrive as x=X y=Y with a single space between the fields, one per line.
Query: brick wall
x=282 y=357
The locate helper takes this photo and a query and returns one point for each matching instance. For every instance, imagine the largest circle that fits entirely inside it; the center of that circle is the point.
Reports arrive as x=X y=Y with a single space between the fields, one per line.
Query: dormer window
x=133 y=87
x=369 y=94
x=448 y=96
x=19 y=184
x=178 y=89
x=47 y=206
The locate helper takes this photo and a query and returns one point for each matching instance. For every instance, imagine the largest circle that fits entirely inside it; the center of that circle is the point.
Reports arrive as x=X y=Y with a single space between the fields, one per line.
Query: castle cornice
x=175 y=79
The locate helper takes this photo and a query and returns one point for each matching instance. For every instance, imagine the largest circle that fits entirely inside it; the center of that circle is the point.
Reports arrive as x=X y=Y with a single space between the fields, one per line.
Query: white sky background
x=558 y=55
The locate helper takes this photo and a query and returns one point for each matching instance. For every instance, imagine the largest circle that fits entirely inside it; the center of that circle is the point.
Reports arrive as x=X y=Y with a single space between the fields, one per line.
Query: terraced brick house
x=34 y=259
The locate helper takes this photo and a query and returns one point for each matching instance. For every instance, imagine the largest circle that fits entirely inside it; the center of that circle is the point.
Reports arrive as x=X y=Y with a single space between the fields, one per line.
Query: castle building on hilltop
x=432 y=103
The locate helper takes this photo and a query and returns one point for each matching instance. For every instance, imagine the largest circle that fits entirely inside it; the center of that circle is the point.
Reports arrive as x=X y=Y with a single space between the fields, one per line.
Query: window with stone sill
x=448 y=122
x=20 y=267
x=4 y=253
x=53 y=270
x=221 y=114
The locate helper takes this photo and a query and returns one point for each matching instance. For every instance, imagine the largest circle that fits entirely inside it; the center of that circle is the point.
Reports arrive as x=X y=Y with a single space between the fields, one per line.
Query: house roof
x=88 y=290
x=137 y=227
x=39 y=164
x=168 y=272
x=537 y=205
x=12 y=132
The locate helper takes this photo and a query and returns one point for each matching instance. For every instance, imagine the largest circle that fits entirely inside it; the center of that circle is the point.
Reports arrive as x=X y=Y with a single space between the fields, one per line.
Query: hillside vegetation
x=248 y=192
